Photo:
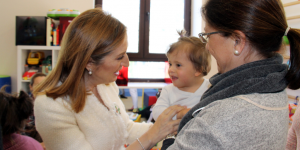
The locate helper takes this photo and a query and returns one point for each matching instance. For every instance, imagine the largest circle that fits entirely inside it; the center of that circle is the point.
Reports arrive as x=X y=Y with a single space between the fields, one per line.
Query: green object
x=55 y=14
x=286 y=40
x=48 y=60
x=4 y=76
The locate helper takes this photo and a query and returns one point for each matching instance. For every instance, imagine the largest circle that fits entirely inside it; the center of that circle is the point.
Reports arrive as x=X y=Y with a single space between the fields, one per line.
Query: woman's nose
x=125 y=61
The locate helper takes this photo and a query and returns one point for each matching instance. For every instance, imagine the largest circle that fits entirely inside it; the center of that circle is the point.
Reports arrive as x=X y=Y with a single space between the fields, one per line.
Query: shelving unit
x=22 y=53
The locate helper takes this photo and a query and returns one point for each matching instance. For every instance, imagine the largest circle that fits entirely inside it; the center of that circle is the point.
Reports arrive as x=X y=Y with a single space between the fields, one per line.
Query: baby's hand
x=182 y=113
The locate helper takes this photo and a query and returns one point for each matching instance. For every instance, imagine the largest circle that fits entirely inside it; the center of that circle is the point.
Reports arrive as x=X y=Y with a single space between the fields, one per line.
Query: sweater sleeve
x=56 y=123
x=291 y=143
x=198 y=133
x=294 y=133
x=134 y=129
x=161 y=104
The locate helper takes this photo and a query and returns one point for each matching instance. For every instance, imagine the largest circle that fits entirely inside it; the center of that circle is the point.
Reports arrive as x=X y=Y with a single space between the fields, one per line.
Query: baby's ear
x=197 y=73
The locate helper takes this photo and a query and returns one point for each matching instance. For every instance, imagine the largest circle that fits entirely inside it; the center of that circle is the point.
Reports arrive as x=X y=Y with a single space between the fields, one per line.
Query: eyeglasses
x=204 y=36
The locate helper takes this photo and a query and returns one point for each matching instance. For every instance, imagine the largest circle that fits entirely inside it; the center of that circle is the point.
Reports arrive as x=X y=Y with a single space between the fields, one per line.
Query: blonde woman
x=77 y=106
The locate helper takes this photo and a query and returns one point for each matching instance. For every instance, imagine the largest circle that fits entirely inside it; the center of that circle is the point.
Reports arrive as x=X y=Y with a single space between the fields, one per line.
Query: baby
x=189 y=62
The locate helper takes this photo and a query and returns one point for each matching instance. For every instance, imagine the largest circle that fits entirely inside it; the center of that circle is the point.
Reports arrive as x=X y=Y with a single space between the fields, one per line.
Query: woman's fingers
x=173 y=110
x=175 y=125
x=182 y=113
x=164 y=124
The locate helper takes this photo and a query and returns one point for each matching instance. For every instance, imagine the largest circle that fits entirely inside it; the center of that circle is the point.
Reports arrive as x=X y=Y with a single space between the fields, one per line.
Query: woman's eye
x=121 y=57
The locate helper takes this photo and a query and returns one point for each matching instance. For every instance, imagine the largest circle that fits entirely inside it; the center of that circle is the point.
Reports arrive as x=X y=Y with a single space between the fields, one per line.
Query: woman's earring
x=236 y=52
x=90 y=72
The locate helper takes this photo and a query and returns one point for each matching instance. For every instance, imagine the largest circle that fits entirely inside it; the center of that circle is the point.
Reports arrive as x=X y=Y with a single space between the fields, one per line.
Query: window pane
x=148 y=70
x=166 y=18
x=128 y=12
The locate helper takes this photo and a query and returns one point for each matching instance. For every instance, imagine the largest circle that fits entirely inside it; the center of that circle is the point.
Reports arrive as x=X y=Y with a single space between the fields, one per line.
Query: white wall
x=197 y=26
x=9 y=9
x=292 y=11
x=295 y=23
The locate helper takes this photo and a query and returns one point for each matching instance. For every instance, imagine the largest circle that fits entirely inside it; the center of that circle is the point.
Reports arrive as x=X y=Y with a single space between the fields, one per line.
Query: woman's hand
x=163 y=126
x=182 y=113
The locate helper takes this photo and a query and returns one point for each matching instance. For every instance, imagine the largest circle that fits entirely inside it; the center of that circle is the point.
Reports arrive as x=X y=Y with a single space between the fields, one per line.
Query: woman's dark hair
x=263 y=22
x=14 y=110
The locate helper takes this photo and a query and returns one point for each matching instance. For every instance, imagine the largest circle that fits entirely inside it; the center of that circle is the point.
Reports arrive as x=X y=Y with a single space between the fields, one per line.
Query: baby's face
x=181 y=70
x=37 y=81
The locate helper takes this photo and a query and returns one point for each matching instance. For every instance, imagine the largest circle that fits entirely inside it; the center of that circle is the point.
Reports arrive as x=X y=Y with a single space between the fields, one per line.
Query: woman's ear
x=239 y=41
x=89 y=65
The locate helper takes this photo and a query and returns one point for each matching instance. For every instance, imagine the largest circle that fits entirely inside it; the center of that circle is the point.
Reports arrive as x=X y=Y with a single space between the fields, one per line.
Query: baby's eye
x=178 y=65
x=170 y=64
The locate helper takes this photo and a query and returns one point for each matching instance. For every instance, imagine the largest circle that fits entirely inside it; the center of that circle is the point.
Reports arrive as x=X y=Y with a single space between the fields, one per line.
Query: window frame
x=143 y=52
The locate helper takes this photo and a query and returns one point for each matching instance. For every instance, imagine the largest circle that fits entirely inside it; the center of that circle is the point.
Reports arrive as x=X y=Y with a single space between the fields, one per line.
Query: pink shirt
x=293 y=139
x=20 y=142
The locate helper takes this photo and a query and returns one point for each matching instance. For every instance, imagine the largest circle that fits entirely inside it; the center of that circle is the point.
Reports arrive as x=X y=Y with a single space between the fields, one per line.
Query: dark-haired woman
x=247 y=106
x=13 y=113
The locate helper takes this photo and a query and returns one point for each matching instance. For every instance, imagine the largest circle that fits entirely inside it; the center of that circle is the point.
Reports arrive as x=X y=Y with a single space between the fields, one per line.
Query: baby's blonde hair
x=197 y=54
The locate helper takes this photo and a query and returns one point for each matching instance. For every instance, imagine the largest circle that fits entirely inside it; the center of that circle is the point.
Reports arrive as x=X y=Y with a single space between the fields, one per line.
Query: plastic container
x=5 y=80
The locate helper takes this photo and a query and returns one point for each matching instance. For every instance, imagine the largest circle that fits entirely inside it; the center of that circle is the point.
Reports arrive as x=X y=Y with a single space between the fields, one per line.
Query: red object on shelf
x=28 y=74
x=63 y=24
x=152 y=100
x=168 y=80
x=122 y=79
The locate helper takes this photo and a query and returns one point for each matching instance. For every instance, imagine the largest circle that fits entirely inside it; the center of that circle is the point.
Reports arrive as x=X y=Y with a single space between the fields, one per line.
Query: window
x=148 y=71
x=152 y=25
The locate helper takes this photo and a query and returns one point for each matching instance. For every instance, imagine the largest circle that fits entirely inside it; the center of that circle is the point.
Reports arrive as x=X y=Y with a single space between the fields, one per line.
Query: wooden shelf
x=291 y=3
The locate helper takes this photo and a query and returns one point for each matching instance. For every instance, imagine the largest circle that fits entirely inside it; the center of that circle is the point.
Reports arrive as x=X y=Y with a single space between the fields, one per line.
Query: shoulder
x=170 y=87
x=264 y=99
x=25 y=142
x=238 y=108
x=44 y=104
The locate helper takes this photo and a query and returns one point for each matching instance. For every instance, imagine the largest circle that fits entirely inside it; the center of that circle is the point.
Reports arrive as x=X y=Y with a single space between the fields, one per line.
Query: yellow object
x=25 y=78
x=34 y=58
x=138 y=119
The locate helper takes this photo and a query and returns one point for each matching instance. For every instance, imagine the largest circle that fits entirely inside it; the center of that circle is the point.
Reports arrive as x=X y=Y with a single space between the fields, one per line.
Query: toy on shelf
x=35 y=58
x=33 y=64
x=57 y=22
x=28 y=74
x=63 y=12
x=47 y=65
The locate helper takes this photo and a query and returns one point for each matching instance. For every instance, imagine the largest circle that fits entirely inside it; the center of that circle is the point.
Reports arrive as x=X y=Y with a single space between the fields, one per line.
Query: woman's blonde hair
x=196 y=52
x=91 y=35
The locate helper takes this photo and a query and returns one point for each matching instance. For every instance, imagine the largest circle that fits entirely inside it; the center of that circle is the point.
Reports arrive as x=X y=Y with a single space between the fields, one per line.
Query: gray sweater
x=234 y=123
